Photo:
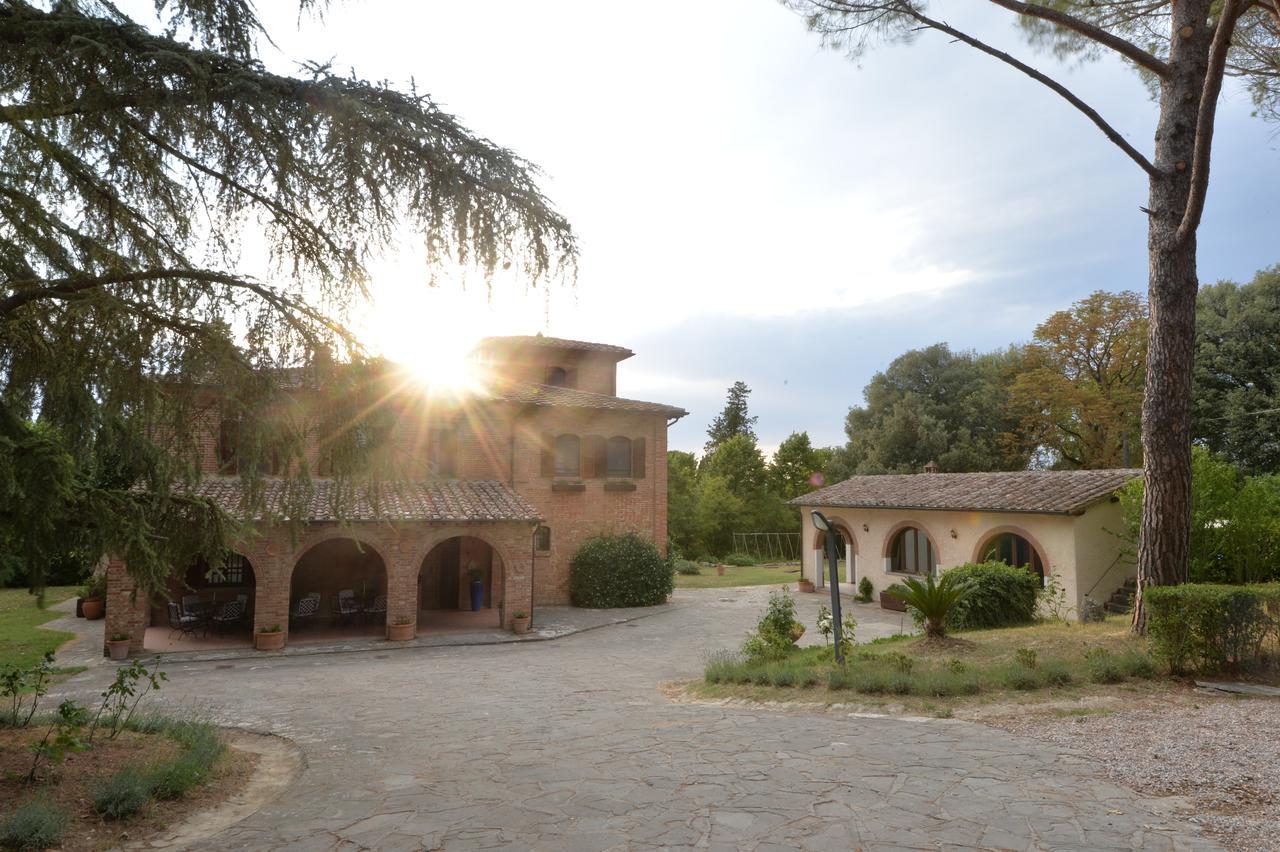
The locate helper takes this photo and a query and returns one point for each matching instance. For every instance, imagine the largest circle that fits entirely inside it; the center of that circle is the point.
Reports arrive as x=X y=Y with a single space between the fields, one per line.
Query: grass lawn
x=22 y=642
x=751 y=575
x=1043 y=662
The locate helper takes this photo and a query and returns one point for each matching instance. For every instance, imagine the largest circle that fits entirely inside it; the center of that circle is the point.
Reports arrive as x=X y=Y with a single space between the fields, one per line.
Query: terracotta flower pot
x=269 y=641
x=720 y=570
x=118 y=649
x=805 y=585
x=93 y=608
x=888 y=601
x=520 y=624
x=401 y=632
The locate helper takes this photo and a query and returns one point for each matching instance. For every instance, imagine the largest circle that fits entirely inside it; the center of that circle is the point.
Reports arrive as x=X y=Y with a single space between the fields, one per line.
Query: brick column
x=402 y=580
x=272 y=560
x=518 y=572
x=127 y=610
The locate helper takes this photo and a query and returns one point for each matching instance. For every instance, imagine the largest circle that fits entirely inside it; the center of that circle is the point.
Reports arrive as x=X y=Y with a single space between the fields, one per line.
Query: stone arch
x=1007 y=529
x=330 y=564
x=886 y=549
x=851 y=556
x=444 y=587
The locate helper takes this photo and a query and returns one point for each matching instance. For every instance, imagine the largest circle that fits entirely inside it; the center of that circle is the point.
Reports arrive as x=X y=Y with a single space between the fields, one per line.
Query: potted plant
x=269 y=638
x=892 y=602
x=805 y=584
x=92 y=604
x=720 y=569
x=402 y=629
x=477 y=587
x=520 y=621
x=118 y=646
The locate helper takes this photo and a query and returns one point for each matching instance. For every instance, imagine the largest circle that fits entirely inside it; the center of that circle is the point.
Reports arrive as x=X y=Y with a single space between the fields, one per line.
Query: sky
x=752 y=206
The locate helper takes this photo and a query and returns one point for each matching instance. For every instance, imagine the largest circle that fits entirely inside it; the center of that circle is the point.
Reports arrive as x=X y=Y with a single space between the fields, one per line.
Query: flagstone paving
x=569 y=744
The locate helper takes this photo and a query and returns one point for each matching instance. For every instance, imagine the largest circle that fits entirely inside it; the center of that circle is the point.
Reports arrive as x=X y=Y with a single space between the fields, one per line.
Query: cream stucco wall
x=1079 y=548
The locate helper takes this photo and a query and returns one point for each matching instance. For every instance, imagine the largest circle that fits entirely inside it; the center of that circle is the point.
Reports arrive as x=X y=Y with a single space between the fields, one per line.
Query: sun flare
x=437 y=353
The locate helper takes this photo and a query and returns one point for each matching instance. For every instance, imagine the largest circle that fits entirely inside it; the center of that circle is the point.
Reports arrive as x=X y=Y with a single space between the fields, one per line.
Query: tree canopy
x=139 y=172
x=1079 y=387
x=1237 y=380
x=734 y=419
x=933 y=404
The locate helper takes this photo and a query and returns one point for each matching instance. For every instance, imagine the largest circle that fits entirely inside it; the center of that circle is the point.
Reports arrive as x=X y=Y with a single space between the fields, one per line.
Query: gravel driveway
x=569 y=744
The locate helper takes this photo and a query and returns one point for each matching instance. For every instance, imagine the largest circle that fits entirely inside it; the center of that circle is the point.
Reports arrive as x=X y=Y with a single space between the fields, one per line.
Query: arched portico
x=848 y=549
x=1012 y=545
x=337 y=589
x=207 y=606
x=447 y=575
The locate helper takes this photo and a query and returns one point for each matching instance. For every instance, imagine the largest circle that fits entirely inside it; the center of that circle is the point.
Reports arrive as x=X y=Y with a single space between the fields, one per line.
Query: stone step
x=1118 y=608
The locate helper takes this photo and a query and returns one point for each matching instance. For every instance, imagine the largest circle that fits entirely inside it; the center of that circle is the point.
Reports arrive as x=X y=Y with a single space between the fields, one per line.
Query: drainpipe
x=533 y=569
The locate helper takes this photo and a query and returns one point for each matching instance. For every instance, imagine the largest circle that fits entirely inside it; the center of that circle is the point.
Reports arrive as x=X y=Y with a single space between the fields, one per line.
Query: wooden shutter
x=595 y=460
x=548 y=455
x=637 y=458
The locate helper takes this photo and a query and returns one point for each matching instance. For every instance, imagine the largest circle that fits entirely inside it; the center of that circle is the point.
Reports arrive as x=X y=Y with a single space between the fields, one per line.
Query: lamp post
x=820 y=521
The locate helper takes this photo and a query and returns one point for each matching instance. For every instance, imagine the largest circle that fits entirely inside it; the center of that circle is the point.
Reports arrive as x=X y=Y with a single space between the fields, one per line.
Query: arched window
x=911 y=552
x=561 y=377
x=619 y=456
x=1013 y=549
x=568 y=455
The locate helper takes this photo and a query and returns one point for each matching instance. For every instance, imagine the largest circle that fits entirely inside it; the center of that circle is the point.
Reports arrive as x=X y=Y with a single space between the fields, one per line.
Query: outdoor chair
x=183 y=625
x=305 y=608
x=193 y=606
x=346 y=606
x=377 y=608
x=229 y=614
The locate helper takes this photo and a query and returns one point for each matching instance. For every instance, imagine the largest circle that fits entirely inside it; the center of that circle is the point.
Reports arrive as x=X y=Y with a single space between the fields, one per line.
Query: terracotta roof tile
x=448 y=501
x=1041 y=491
x=573 y=398
x=519 y=341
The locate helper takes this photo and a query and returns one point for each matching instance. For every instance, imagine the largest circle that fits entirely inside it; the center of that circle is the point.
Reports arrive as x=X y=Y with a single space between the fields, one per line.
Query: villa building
x=499 y=484
x=1067 y=523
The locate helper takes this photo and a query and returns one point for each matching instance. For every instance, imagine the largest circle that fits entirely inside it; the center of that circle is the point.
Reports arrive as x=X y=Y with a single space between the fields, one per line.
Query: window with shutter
x=542 y=540
x=620 y=461
x=548 y=465
x=443 y=449
x=637 y=458
x=568 y=458
x=228 y=446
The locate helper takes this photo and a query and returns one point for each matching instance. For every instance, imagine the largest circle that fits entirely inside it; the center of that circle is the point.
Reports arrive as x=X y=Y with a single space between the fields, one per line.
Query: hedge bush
x=38 y=824
x=1208 y=627
x=619 y=570
x=1001 y=596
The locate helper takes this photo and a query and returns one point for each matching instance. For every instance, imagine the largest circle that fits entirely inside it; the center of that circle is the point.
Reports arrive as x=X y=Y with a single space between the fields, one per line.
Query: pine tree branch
x=1205 y=121
x=909 y=11
x=1127 y=49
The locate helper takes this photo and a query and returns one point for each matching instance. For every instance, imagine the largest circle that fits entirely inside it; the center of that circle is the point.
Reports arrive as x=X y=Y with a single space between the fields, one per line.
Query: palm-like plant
x=933 y=599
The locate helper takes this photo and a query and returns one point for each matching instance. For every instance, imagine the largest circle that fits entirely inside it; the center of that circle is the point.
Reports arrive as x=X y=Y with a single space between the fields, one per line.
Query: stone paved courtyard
x=569 y=744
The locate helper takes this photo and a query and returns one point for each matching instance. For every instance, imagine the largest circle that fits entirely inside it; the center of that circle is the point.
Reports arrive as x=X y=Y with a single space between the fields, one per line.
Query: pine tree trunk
x=1164 y=539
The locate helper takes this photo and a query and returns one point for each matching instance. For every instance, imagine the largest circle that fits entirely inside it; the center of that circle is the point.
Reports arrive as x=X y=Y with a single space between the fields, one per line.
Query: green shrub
x=1056 y=673
x=1026 y=657
x=721 y=667
x=839 y=679
x=1020 y=677
x=877 y=681
x=619 y=570
x=932 y=600
x=1209 y=627
x=1105 y=668
x=38 y=824
x=777 y=631
x=201 y=749
x=782 y=676
x=740 y=560
x=1137 y=665
x=687 y=568
x=123 y=794
x=865 y=590
x=1000 y=596
x=807 y=677
x=943 y=684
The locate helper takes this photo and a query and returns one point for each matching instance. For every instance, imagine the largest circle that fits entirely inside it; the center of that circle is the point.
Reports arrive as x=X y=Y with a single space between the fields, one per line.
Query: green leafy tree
x=133 y=163
x=740 y=463
x=719 y=515
x=1183 y=51
x=1237 y=378
x=935 y=405
x=734 y=419
x=682 y=503
x=797 y=466
x=1079 y=386
x=1235 y=521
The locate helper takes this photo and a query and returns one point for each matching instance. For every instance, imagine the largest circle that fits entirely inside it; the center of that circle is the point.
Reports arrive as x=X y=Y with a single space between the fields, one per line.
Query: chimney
x=931 y=467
